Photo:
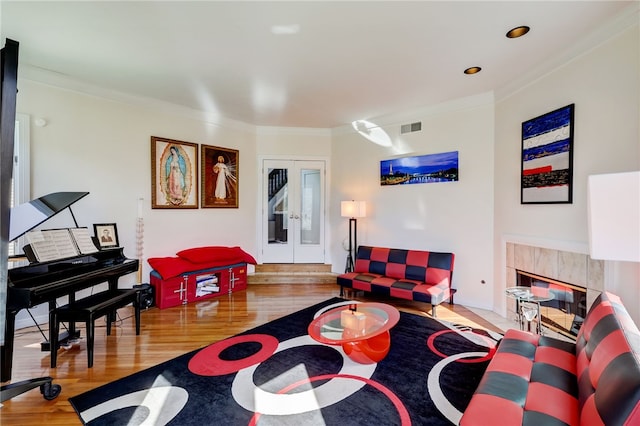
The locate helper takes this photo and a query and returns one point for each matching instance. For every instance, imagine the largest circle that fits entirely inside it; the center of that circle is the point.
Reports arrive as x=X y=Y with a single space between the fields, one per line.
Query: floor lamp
x=352 y=210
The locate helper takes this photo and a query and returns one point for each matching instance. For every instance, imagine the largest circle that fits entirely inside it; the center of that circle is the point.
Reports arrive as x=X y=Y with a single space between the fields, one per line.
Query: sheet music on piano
x=54 y=244
x=83 y=240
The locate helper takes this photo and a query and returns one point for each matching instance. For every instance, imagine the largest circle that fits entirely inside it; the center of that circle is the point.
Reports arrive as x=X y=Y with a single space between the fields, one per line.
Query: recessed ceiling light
x=518 y=31
x=472 y=70
x=285 y=29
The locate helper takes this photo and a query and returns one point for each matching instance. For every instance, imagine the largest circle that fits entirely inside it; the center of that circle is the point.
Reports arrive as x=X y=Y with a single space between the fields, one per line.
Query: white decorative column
x=139 y=238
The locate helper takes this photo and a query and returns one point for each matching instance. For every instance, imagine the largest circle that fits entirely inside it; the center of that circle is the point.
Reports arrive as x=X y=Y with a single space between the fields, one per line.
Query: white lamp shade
x=614 y=216
x=353 y=209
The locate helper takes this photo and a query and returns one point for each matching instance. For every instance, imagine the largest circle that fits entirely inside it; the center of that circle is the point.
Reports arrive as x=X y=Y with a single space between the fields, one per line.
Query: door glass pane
x=278 y=208
x=309 y=206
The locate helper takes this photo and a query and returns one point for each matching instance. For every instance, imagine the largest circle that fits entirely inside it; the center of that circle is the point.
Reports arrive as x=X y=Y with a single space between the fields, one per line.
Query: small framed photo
x=220 y=169
x=174 y=174
x=106 y=235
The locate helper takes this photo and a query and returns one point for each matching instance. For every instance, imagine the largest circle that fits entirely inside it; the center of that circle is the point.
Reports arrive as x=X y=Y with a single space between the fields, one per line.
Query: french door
x=293 y=206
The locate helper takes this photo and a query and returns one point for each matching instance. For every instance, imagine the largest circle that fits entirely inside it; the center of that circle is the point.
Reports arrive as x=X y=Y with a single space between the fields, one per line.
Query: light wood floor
x=165 y=334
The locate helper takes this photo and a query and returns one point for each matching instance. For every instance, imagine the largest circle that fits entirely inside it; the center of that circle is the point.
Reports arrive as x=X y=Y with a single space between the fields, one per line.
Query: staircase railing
x=277 y=181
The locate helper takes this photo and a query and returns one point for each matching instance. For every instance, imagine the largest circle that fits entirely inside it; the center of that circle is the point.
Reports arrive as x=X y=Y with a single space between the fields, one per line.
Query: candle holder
x=353 y=320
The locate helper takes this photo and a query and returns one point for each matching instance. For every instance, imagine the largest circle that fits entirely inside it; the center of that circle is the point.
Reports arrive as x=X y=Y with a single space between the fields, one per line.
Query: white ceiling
x=350 y=60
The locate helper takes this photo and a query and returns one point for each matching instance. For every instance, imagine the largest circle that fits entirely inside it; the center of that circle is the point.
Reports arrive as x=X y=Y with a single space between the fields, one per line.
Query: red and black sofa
x=418 y=275
x=538 y=380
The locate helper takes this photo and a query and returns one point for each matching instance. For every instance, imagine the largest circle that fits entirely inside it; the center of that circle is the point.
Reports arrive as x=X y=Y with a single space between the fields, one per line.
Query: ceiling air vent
x=413 y=127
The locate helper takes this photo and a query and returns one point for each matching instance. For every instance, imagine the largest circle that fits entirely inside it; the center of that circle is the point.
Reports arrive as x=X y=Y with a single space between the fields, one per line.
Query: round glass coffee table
x=362 y=329
x=528 y=301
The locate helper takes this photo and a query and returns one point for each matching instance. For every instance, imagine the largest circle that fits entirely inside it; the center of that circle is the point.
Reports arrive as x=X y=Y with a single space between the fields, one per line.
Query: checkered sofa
x=534 y=380
x=407 y=274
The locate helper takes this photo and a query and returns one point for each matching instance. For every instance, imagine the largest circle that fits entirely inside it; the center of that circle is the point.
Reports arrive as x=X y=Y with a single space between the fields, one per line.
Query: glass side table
x=528 y=301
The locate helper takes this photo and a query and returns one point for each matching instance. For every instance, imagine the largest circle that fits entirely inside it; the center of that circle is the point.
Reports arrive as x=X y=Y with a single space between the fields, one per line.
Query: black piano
x=44 y=282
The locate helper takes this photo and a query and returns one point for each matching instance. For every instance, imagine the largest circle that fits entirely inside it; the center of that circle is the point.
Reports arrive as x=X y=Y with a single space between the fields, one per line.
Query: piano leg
x=49 y=390
x=6 y=351
x=65 y=337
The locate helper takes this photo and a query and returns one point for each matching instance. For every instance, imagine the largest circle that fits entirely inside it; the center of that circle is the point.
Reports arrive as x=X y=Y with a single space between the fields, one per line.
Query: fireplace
x=564 y=313
x=558 y=263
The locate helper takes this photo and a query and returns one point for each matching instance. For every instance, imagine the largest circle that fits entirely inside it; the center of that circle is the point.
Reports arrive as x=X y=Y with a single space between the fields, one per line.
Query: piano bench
x=89 y=309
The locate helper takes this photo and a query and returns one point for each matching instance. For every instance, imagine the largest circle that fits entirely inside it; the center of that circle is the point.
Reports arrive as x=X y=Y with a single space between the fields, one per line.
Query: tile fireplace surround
x=569 y=267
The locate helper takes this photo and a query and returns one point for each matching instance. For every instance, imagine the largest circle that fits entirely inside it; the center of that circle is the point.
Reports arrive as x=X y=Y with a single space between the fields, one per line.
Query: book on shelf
x=55 y=244
x=206 y=284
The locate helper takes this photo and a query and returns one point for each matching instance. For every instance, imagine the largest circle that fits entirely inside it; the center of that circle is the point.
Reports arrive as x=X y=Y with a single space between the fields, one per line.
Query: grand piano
x=36 y=283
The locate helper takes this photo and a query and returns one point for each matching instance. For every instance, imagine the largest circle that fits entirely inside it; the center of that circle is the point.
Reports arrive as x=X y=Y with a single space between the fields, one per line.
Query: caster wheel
x=50 y=391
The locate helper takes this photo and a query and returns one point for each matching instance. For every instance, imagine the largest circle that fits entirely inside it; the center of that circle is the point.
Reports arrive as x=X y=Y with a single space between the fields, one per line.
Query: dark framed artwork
x=430 y=168
x=106 y=235
x=220 y=168
x=547 y=158
x=174 y=174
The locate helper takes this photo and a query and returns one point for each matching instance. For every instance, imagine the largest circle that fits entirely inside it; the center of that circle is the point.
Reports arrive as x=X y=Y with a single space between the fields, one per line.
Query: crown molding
x=625 y=20
x=63 y=82
x=295 y=131
x=460 y=104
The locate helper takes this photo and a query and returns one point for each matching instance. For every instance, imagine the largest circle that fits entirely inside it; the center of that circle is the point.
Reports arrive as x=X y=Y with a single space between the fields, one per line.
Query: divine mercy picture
x=174 y=174
x=219 y=168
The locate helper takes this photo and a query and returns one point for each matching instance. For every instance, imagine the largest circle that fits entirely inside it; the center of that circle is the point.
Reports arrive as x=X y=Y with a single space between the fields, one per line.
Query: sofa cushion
x=210 y=254
x=418 y=265
x=169 y=267
x=400 y=288
x=608 y=364
x=532 y=378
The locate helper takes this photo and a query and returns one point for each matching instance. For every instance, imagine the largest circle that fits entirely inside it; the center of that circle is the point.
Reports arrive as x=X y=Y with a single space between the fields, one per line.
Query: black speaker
x=147 y=295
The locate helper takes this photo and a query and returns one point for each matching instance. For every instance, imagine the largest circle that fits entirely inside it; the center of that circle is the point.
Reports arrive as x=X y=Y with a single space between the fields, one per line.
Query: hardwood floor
x=166 y=334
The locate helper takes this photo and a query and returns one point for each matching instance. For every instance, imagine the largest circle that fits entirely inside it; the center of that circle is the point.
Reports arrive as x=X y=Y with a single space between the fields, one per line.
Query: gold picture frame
x=219 y=168
x=174 y=174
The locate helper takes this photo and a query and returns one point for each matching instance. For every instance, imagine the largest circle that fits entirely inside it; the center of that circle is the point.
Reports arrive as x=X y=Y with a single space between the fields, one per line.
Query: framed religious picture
x=106 y=235
x=219 y=168
x=174 y=174
x=547 y=158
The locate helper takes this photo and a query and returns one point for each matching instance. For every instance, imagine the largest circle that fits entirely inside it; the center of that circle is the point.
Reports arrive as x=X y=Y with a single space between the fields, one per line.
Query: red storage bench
x=198 y=285
x=198 y=274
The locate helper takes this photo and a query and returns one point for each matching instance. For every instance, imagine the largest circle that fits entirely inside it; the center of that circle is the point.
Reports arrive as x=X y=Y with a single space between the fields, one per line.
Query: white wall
x=91 y=143
x=473 y=217
x=451 y=217
x=102 y=146
x=604 y=84
x=285 y=142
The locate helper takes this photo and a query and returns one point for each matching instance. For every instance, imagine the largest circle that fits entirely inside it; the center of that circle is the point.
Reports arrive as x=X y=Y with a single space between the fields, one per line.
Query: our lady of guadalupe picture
x=174 y=174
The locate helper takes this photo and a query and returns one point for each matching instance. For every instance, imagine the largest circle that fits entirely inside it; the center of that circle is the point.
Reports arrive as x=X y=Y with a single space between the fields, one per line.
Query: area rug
x=275 y=374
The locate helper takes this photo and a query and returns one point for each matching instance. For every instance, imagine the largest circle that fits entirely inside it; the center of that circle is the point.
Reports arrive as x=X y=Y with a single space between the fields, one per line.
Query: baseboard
x=28 y=322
